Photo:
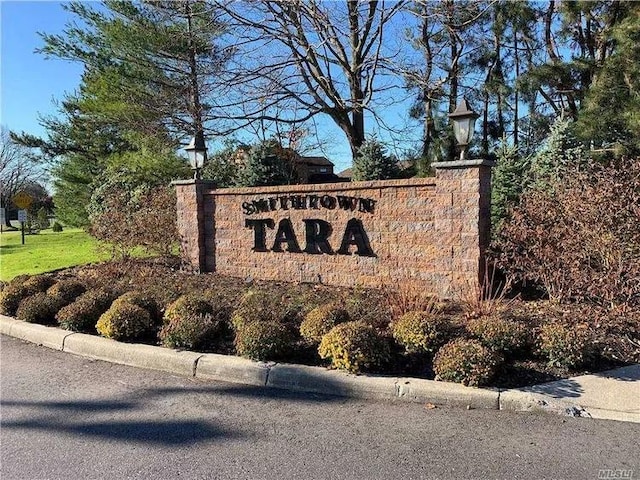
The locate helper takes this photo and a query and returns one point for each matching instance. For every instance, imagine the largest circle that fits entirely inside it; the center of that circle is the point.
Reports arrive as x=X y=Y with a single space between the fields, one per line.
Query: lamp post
x=197 y=153
x=464 y=120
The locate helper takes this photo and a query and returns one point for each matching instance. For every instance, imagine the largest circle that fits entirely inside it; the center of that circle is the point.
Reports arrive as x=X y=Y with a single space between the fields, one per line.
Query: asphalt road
x=72 y=418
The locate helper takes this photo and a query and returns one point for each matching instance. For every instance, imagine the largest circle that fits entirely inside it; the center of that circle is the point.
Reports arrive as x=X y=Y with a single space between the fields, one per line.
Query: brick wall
x=430 y=231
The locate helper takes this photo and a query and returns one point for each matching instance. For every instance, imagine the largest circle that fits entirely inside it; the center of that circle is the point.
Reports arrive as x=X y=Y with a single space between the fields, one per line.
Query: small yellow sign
x=22 y=200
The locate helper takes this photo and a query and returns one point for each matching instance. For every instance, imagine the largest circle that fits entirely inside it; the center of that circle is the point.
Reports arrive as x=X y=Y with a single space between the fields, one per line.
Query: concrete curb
x=133 y=354
x=301 y=378
x=226 y=368
x=524 y=401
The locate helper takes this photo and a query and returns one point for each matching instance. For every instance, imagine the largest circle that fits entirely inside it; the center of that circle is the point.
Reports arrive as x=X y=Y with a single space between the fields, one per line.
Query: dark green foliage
x=420 y=332
x=510 y=177
x=66 y=291
x=263 y=340
x=56 y=227
x=223 y=166
x=194 y=332
x=38 y=308
x=84 y=312
x=125 y=322
x=609 y=117
x=42 y=219
x=319 y=321
x=561 y=155
x=267 y=163
x=262 y=305
x=354 y=346
x=465 y=361
x=374 y=163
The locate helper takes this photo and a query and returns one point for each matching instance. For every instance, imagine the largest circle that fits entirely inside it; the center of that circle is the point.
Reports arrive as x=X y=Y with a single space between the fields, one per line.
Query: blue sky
x=30 y=82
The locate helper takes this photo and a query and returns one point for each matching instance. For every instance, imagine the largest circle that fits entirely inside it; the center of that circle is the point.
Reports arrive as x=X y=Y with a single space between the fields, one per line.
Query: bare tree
x=17 y=171
x=316 y=57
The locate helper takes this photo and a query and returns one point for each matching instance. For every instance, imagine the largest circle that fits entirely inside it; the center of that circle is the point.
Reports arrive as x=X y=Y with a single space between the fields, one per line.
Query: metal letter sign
x=22 y=200
x=22 y=216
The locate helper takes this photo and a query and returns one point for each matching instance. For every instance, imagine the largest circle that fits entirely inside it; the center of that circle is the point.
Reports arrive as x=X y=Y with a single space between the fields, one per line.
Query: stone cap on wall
x=328 y=187
x=479 y=162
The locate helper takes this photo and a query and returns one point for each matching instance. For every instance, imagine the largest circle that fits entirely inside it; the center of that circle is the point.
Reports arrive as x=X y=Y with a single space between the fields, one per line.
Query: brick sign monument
x=429 y=231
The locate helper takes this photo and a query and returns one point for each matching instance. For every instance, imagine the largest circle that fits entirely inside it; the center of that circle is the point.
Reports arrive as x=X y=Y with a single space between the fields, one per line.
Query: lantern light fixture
x=464 y=120
x=197 y=153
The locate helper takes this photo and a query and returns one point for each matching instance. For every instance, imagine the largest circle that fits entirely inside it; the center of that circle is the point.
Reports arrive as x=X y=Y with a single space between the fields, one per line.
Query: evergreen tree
x=373 y=163
x=510 y=178
x=149 y=66
x=267 y=163
x=612 y=108
x=560 y=154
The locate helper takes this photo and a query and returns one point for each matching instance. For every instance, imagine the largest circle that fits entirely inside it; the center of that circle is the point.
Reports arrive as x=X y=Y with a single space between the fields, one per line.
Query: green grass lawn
x=45 y=251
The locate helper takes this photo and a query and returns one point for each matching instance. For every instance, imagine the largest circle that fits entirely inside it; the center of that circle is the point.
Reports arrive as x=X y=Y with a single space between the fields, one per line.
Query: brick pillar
x=463 y=223
x=196 y=224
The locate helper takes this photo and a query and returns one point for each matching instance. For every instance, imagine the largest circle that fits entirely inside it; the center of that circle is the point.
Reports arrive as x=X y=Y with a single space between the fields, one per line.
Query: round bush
x=142 y=300
x=18 y=280
x=565 y=346
x=498 y=333
x=39 y=283
x=56 y=227
x=187 y=305
x=125 y=321
x=11 y=297
x=82 y=315
x=257 y=306
x=192 y=332
x=354 y=346
x=66 y=291
x=319 y=321
x=420 y=332
x=267 y=340
x=465 y=361
x=38 y=308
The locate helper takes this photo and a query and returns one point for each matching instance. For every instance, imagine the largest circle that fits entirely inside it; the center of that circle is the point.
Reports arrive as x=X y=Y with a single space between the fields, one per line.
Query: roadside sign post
x=22 y=218
x=23 y=201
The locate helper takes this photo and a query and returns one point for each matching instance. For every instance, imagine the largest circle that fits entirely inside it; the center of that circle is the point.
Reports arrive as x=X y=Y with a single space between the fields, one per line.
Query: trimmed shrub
x=263 y=340
x=498 y=333
x=85 y=311
x=66 y=291
x=566 y=346
x=187 y=305
x=465 y=361
x=11 y=297
x=38 y=308
x=57 y=227
x=192 y=332
x=142 y=300
x=125 y=321
x=420 y=332
x=39 y=283
x=319 y=321
x=18 y=280
x=354 y=346
x=257 y=306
